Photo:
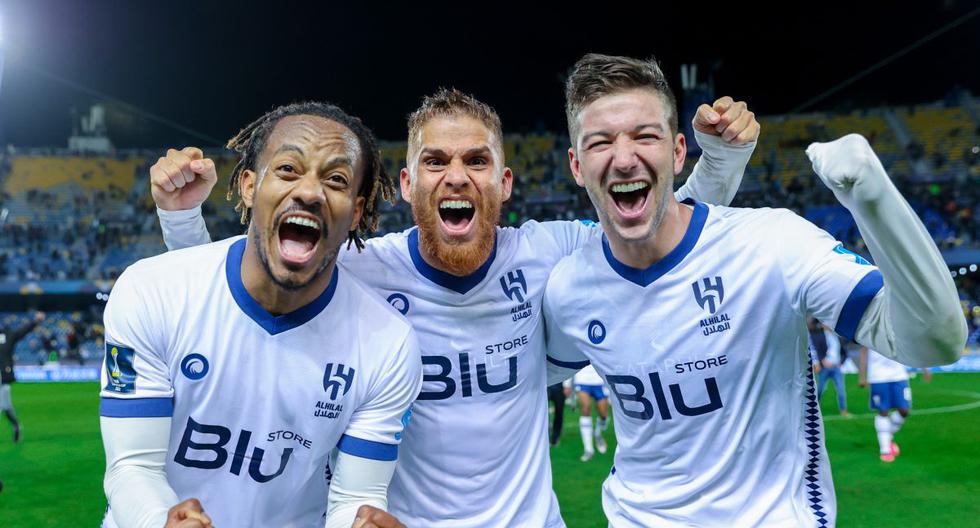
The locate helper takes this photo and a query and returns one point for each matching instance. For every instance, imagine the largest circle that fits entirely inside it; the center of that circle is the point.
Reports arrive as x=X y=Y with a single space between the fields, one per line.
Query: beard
x=453 y=257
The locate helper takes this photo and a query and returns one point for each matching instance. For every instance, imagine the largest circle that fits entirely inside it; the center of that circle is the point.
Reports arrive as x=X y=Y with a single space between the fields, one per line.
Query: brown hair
x=595 y=76
x=376 y=184
x=448 y=102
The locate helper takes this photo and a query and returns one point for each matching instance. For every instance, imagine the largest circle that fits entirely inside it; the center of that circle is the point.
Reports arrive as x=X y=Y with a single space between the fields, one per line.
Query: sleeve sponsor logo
x=119 y=367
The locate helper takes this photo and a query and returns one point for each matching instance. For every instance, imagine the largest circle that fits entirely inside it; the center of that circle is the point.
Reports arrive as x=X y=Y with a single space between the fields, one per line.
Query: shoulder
x=180 y=266
x=379 y=319
x=566 y=283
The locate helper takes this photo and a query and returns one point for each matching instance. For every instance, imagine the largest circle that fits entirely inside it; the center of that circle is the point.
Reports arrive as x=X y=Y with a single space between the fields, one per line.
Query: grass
x=54 y=477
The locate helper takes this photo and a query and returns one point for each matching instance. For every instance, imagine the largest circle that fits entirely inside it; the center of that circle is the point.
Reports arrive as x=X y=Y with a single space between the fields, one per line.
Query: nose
x=309 y=191
x=624 y=155
x=456 y=176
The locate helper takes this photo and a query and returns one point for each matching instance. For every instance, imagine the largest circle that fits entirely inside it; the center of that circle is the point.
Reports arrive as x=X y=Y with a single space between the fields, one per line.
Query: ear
x=358 y=212
x=680 y=153
x=246 y=187
x=406 y=184
x=506 y=184
x=573 y=163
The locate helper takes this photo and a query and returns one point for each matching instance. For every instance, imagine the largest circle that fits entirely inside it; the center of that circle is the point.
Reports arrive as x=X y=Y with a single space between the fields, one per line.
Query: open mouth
x=456 y=215
x=630 y=197
x=299 y=235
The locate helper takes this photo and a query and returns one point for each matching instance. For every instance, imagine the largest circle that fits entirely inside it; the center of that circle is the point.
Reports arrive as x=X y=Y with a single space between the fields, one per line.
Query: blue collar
x=446 y=280
x=271 y=323
x=644 y=277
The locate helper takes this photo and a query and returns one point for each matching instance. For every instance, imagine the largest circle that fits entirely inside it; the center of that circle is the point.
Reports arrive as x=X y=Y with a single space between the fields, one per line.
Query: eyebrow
x=637 y=128
x=288 y=147
x=483 y=149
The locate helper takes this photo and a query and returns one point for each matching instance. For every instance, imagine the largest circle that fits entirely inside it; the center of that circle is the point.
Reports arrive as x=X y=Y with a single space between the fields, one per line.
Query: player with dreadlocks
x=252 y=375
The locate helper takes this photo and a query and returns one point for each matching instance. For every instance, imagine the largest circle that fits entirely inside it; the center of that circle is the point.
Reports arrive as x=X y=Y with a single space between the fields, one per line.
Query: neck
x=643 y=253
x=274 y=298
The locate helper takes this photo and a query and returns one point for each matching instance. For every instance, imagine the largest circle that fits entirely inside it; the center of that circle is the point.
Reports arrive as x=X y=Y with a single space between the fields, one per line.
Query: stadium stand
x=65 y=217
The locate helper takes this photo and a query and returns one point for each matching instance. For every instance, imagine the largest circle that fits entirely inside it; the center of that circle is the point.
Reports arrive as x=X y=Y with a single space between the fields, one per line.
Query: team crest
x=514 y=286
x=711 y=295
x=337 y=380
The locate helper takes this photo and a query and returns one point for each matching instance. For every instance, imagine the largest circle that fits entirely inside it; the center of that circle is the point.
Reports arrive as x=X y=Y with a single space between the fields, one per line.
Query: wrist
x=178 y=214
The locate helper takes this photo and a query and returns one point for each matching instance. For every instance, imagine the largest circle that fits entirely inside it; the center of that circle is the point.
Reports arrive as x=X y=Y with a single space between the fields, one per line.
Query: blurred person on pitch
x=589 y=389
x=473 y=292
x=829 y=355
x=891 y=397
x=8 y=340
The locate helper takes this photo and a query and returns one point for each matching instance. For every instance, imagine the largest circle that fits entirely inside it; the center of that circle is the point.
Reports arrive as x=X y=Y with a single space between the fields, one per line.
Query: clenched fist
x=182 y=179
x=371 y=517
x=850 y=168
x=729 y=119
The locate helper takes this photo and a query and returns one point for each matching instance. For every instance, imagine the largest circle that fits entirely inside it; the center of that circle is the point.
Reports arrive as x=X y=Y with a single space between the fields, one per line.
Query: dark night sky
x=214 y=67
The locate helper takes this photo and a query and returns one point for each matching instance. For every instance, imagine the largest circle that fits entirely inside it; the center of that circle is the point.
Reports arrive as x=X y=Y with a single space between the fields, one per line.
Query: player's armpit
x=558 y=373
x=357 y=482
x=135 y=481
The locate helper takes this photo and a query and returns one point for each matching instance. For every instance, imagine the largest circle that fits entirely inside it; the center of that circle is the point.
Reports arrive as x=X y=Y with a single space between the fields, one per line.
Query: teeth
x=629 y=187
x=456 y=204
x=302 y=221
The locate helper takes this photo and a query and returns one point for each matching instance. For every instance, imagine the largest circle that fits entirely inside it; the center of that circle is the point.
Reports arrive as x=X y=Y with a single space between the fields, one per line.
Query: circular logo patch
x=194 y=366
x=597 y=332
x=399 y=302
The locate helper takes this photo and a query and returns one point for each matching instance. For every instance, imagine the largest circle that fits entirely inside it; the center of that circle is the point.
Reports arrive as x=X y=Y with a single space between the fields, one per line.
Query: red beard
x=453 y=257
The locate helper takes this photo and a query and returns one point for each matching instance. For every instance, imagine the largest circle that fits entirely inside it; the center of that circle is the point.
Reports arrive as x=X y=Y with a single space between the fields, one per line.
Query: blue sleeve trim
x=367 y=449
x=857 y=302
x=577 y=365
x=136 y=407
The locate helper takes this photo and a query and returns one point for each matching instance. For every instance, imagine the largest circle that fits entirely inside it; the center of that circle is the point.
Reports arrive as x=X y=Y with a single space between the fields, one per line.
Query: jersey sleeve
x=375 y=428
x=183 y=229
x=824 y=280
x=562 y=350
x=718 y=172
x=571 y=235
x=135 y=374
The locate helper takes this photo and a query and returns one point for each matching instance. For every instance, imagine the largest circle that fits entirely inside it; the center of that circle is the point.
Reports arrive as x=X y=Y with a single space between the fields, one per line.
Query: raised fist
x=182 y=179
x=729 y=119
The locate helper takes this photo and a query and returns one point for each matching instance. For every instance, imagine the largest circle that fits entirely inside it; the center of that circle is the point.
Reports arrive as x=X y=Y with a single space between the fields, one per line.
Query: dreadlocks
x=376 y=183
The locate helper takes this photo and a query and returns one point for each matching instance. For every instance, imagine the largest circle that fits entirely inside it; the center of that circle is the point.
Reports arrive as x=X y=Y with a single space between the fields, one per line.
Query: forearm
x=357 y=482
x=916 y=319
x=718 y=173
x=135 y=480
x=182 y=229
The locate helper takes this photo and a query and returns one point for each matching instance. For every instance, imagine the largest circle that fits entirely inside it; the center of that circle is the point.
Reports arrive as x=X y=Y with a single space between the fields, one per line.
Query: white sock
x=884 y=428
x=896 y=420
x=600 y=425
x=585 y=426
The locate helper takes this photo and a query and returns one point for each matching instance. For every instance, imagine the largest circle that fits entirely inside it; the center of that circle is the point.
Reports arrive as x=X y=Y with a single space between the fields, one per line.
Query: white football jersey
x=705 y=354
x=258 y=402
x=476 y=451
x=885 y=370
x=588 y=376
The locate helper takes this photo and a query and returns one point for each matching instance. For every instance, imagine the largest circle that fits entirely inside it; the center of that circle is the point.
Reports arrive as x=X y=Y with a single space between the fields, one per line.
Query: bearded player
x=476 y=451
x=695 y=315
x=233 y=370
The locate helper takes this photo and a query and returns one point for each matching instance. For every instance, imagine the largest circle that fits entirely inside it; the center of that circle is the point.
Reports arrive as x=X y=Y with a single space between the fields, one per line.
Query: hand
x=39 y=316
x=729 y=119
x=371 y=517
x=825 y=363
x=816 y=368
x=182 y=179
x=863 y=383
x=188 y=514
x=850 y=168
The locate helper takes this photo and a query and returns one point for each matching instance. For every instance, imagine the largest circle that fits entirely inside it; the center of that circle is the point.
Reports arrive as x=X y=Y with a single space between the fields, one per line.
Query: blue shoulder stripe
x=857 y=302
x=367 y=449
x=577 y=365
x=136 y=407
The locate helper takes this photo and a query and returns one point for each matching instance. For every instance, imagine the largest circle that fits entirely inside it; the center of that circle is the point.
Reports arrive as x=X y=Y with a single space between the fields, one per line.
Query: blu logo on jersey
x=465 y=377
x=711 y=291
x=514 y=285
x=631 y=389
x=335 y=380
x=201 y=437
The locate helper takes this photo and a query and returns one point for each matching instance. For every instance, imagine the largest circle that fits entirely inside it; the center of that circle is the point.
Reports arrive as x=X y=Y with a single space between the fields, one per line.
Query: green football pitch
x=54 y=476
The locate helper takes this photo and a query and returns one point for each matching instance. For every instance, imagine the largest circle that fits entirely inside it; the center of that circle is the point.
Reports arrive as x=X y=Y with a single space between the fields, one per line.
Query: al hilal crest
x=337 y=379
x=709 y=293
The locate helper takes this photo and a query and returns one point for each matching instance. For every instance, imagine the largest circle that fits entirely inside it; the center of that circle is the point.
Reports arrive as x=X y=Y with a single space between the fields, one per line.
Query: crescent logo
x=399 y=302
x=195 y=366
x=597 y=332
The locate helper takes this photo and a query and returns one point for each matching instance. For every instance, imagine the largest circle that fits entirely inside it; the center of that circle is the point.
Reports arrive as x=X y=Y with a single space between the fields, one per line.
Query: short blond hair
x=450 y=102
